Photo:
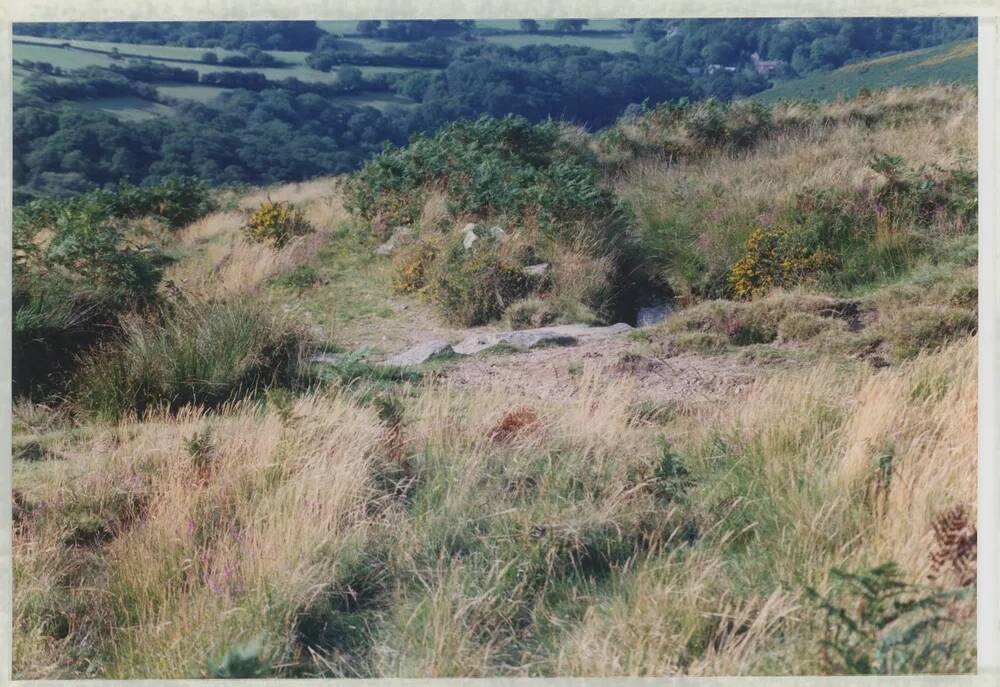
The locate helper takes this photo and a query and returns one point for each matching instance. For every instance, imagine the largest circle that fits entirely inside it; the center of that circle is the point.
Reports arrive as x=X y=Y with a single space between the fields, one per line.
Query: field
x=138 y=109
x=686 y=498
x=67 y=58
x=198 y=92
x=60 y=57
x=128 y=108
x=953 y=62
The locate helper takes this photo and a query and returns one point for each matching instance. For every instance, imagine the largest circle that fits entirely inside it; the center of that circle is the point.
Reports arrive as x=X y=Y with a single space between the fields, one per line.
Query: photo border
x=988 y=494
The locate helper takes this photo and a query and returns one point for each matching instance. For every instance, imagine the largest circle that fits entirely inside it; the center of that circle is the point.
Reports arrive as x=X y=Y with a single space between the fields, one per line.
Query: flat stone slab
x=560 y=335
x=420 y=353
x=539 y=270
x=473 y=232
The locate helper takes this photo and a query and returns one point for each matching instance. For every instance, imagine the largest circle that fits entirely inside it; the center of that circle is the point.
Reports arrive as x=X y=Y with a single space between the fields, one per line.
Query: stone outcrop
x=420 y=353
x=562 y=335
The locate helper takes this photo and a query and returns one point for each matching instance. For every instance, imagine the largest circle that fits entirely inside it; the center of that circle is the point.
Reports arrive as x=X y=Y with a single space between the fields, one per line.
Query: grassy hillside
x=949 y=63
x=709 y=496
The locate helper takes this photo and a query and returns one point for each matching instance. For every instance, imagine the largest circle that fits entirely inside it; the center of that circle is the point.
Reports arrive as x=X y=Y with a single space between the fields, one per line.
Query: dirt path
x=555 y=373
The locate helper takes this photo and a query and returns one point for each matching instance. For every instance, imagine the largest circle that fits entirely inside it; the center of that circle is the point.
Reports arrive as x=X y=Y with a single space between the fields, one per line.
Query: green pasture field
x=948 y=63
x=380 y=101
x=127 y=108
x=60 y=57
x=68 y=58
x=202 y=93
x=171 y=52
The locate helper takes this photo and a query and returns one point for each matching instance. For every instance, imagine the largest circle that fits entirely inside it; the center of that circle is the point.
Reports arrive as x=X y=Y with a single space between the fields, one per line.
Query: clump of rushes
x=203 y=354
x=276 y=223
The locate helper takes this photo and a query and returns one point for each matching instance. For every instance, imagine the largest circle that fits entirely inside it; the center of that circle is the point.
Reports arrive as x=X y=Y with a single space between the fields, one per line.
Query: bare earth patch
x=556 y=373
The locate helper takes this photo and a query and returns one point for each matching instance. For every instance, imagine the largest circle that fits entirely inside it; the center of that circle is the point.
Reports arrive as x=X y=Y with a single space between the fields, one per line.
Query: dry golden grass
x=670 y=608
x=224 y=553
x=323 y=188
x=221 y=263
x=434 y=215
x=243 y=545
x=927 y=414
x=834 y=464
x=823 y=156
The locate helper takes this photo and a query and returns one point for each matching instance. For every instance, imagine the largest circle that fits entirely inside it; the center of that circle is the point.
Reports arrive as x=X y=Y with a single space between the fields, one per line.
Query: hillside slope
x=674 y=500
x=949 y=63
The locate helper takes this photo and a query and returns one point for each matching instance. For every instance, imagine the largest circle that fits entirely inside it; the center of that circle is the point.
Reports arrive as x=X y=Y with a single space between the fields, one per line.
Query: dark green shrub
x=671 y=478
x=176 y=201
x=504 y=168
x=74 y=275
x=199 y=446
x=533 y=181
x=198 y=353
x=76 y=271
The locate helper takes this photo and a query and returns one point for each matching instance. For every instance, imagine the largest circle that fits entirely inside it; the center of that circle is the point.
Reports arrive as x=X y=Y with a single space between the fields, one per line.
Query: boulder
x=562 y=335
x=653 y=314
x=539 y=270
x=473 y=232
x=420 y=353
x=399 y=234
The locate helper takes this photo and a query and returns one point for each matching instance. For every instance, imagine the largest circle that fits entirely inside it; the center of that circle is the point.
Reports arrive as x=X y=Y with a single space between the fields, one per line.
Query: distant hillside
x=951 y=62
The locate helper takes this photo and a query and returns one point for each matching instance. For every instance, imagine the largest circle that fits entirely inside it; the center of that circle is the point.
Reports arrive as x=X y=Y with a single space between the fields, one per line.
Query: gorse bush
x=845 y=239
x=276 y=223
x=203 y=354
x=414 y=264
x=771 y=262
